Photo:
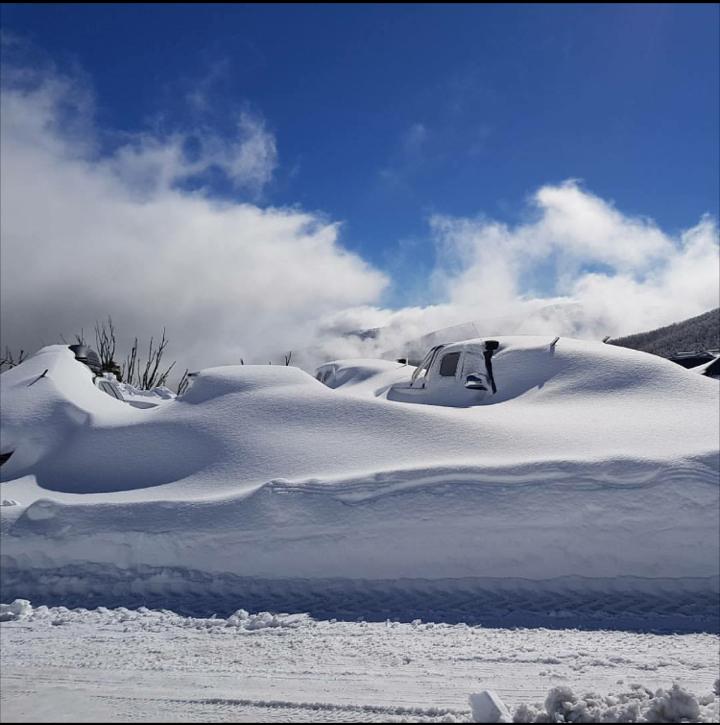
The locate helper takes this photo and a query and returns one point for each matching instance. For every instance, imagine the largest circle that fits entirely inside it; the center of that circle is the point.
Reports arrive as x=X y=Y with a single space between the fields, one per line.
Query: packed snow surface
x=594 y=467
x=144 y=665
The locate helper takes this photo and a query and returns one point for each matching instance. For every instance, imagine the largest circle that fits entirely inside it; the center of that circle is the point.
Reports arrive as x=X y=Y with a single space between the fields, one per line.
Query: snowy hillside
x=594 y=468
x=697 y=333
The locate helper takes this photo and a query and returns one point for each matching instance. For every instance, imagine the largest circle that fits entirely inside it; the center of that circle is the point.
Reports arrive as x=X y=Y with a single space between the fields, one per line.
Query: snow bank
x=595 y=462
x=22 y=609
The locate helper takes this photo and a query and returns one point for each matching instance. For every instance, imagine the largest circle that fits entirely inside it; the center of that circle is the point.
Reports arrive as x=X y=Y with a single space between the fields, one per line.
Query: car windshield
x=424 y=366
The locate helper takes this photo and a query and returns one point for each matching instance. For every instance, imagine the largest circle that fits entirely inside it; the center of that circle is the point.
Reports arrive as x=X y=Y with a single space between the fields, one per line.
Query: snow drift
x=593 y=462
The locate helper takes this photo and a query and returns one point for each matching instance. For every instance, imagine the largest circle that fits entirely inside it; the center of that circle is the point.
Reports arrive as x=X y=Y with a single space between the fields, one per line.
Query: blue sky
x=386 y=117
x=384 y=114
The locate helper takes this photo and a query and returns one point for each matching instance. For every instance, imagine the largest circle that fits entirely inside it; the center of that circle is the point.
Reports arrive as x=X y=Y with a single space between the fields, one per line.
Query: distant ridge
x=693 y=335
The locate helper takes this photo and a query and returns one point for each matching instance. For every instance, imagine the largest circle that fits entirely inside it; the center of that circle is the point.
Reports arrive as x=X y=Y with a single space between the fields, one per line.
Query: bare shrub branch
x=105 y=341
x=184 y=382
x=150 y=374
x=129 y=369
x=147 y=376
x=10 y=360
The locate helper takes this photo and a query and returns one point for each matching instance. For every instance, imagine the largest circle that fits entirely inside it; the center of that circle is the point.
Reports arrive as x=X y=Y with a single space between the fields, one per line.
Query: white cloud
x=625 y=272
x=150 y=164
x=604 y=273
x=85 y=235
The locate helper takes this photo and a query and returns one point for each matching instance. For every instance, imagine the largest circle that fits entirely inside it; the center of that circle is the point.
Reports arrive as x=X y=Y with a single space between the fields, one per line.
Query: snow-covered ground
x=581 y=500
x=142 y=665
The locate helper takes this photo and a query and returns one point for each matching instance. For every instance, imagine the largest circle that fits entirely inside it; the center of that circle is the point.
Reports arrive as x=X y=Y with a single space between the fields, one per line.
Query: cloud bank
x=577 y=267
x=128 y=229
x=87 y=234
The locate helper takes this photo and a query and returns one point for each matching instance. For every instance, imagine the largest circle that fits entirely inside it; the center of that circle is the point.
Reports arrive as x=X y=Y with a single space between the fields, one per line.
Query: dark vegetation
x=694 y=335
x=144 y=374
x=10 y=359
x=141 y=372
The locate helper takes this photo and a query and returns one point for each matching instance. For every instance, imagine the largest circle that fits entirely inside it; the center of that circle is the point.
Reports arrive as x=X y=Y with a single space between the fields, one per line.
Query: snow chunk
x=488 y=707
x=676 y=705
x=559 y=703
x=19 y=609
x=265 y=620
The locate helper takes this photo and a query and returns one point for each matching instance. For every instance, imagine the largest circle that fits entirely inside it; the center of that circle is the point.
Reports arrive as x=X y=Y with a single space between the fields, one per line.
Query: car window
x=448 y=365
x=421 y=369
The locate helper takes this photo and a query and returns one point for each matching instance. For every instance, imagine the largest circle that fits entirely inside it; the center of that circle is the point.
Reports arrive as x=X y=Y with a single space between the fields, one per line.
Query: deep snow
x=594 y=469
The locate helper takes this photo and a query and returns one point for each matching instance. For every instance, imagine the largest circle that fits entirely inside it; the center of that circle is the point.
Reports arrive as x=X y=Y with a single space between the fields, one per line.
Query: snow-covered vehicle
x=355 y=375
x=458 y=374
x=454 y=374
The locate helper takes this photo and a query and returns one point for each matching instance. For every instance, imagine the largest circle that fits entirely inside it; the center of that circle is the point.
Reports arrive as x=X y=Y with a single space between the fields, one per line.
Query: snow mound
x=363 y=377
x=215 y=382
x=593 y=462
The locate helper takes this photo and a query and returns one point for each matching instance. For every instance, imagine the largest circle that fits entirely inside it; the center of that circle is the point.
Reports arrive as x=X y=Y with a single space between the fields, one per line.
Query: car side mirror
x=475 y=382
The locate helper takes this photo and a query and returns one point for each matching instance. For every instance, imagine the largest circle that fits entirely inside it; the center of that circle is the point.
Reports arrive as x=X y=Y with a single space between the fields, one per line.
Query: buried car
x=483 y=371
x=458 y=374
